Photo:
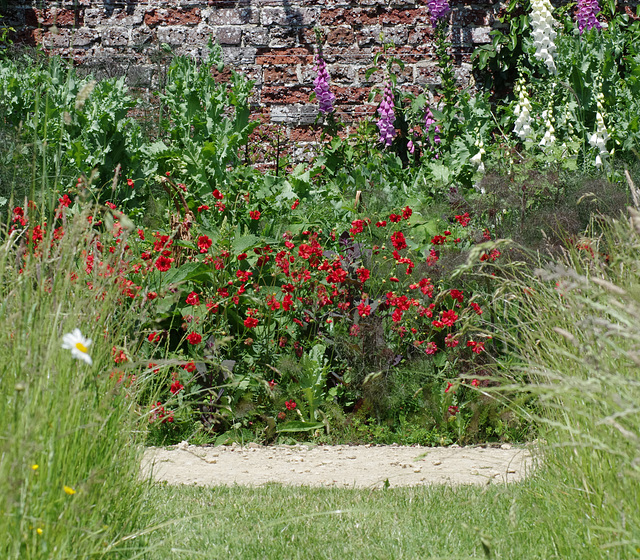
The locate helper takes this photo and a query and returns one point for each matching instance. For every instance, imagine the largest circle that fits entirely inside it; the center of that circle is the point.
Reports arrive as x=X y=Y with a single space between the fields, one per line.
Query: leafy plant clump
x=354 y=294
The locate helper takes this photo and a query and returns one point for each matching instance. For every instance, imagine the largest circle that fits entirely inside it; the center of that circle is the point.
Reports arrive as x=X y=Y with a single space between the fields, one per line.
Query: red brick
x=172 y=17
x=332 y=17
x=280 y=74
x=306 y=133
x=351 y=94
x=285 y=95
x=340 y=36
x=363 y=16
x=57 y=16
x=284 y=56
x=406 y=17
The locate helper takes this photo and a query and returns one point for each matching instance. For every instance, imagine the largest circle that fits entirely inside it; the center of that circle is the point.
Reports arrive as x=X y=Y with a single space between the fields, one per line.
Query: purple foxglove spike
x=387 y=117
x=321 y=86
x=429 y=121
x=586 y=15
x=438 y=9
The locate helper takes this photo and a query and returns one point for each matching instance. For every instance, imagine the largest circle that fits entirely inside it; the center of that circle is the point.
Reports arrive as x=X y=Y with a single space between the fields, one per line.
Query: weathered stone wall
x=272 y=41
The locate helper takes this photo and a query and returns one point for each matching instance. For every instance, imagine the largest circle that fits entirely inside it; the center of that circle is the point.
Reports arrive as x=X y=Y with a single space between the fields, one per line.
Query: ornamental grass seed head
x=387 y=117
x=321 y=87
x=78 y=345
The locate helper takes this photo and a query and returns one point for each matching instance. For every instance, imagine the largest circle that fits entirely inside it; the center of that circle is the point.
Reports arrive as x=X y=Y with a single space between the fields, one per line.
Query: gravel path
x=343 y=466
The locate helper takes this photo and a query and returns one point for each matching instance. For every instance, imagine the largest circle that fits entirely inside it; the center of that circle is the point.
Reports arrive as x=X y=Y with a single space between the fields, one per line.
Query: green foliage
x=576 y=335
x=68 y=452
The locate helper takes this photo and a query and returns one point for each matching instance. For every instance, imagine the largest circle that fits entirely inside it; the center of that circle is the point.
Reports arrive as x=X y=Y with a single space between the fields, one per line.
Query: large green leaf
x=188 y=271
x=299 y=426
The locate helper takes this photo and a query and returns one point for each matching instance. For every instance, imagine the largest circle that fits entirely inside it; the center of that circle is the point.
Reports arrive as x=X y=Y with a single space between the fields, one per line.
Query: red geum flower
x=287 y=302
x=254 y=214
x=243 y=276
x=119 y=356
x=451 y=341
x=217 y=194
x=381 y=223
x=438 y=239
x=475 y=307
x=357 y=226
x=291 y=405
x=475 y=383
x=457 y=295
x=65 y=201
x=453 y=410
x=272 y=302
x=464 y=219
x=190 y=367
x=395 y=218
x=449 y=318
x=295 y=204
x=176 y=387
x=363 y=274
x=250 y=322
x=449 y=385
x=430 y=348
x=406 y=213
x=398 y=241
x=486 y=234
x=193 y=299
x=364 y=310
x=490 y=256
x=163 y=264
x=204 y=242
x=476 y=347
x=194 y=338
x=152 y=295
x=203 y=207
x=130 y=183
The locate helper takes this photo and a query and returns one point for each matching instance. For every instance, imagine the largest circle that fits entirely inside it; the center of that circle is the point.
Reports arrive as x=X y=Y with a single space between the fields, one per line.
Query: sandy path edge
x=344 y=466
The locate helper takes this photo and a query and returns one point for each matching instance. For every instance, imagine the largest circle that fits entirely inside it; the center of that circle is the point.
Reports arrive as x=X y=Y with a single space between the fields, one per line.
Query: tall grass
x=576 y=328
x=68 y=461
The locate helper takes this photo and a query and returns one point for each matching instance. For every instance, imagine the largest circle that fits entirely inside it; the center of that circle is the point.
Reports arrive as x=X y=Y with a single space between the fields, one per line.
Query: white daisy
x=78 y=345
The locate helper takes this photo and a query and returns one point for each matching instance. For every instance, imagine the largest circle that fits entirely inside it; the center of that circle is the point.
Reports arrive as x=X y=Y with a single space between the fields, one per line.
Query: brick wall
x=272 y=41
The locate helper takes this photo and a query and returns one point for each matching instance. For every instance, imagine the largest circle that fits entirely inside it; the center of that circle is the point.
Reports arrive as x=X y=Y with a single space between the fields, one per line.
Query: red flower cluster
x=463 y=220
x=158 y=412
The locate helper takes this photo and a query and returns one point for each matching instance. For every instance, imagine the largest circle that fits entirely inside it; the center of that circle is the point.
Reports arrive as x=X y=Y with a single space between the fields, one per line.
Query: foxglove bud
x=477 y=159
x=599 y=138
x=522 y=110
x=549 y=137
x=586 y=15
x=321 y=86
x=387 y=117
x=429 y=121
